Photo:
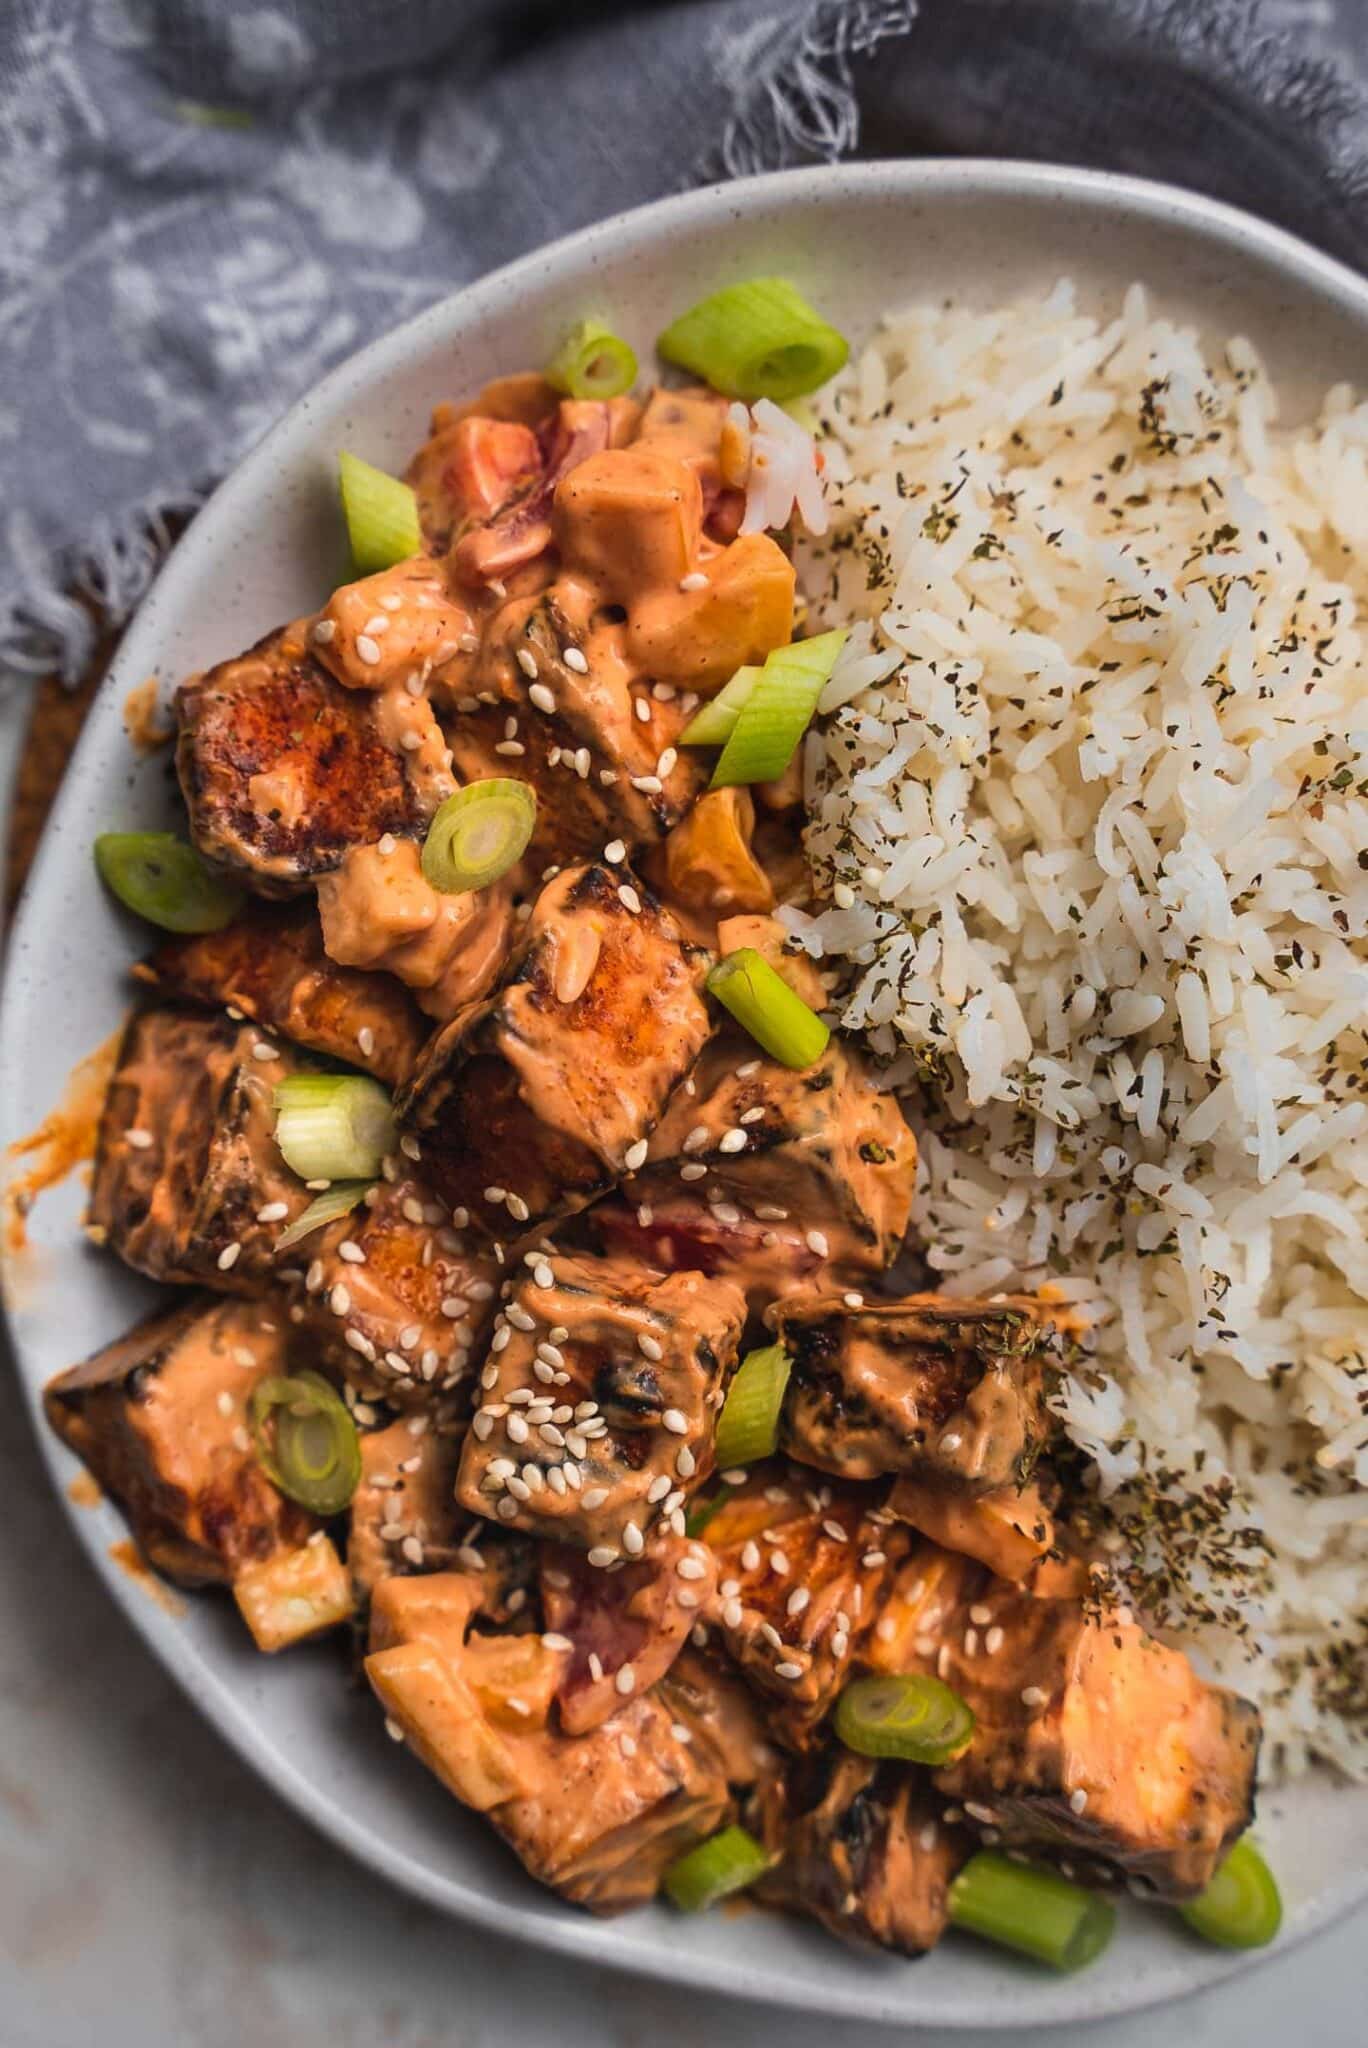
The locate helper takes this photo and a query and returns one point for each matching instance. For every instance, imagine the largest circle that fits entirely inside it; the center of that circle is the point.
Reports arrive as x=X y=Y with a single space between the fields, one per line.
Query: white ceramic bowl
x=265 y=548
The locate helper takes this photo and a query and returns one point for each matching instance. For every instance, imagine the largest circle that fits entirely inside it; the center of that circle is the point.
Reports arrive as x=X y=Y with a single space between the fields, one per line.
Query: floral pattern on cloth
x=208 y=204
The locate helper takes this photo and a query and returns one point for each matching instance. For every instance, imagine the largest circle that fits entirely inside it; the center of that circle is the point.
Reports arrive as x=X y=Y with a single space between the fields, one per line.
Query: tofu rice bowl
x=752 y=1093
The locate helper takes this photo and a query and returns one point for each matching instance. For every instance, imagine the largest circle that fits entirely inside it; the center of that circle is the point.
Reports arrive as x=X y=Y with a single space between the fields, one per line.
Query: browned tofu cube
x=599 y=1400
x=596 y=742
x=625 y=1627
x=1010 y=1530
x=379 y=910
x=800 y=1575
x=597 y=1817
x=271 y=965
x=283 y=768
x=403 y=1514
x=1095 y=1743
x=186 y=1159
x=161 y=1419
x=805 y=1179
x=401 y=1299
x=949 y=1390
x=395 y=629
x=534 y=1101
x=860 y=1847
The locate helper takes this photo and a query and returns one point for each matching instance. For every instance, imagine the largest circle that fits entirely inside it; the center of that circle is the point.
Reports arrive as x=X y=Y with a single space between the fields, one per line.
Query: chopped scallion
x=306 y=1441
x=339 y=1200
x=1241 y=1907
x=760 y=339
x=748 y=1426
x=711 y=726
x=592 y=362
x=763 y=1004
x=163 y=879
x=478 y=834
x=1032 y=1911
x=381 y=514
x=909 y=1715
x=333 y=1126
x=725 y=1863
x=777 y=711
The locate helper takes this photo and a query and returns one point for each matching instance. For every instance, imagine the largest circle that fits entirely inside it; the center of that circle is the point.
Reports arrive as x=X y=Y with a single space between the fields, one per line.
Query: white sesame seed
x=950 y=1442
x=733 y=1140
x=262 y=1051
x=695 y=580
x=993 y=1641
x=665 y=765
x=625 y=1682
x=691 y=1568
x=518 y=1487
x=633 y=1542
x=649 y=1348
x=788 y=1670
x=324 y=631
x=686 y=1464
x=602 y=1554
x=1078 y=1801
x=378 y=625
x=840 y=1642
x=1033 y=1696
x=693 y=1169
x=675 y=1422
x=517 y=1429
x=593 y=1497
x=351 y=1251
x=542 y=1275
x=229 y=1257
x=140 y=1140
x=797 y=1600
x=367 y=650
x=649 y=785
x=779 y=1564
x=971 y=1642
x=527 y=662
x=574 y=658
x=750 y=1556
x=815 y=1241
x=635 y=1155
x=872 y=1558
x=544 y=699
x=628 y=898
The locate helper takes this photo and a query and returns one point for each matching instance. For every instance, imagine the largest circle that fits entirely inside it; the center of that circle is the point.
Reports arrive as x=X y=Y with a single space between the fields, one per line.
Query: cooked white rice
x=1090 y=813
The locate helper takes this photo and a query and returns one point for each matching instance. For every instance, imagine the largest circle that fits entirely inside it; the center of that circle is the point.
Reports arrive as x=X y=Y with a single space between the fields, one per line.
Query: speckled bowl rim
x=1309 y=276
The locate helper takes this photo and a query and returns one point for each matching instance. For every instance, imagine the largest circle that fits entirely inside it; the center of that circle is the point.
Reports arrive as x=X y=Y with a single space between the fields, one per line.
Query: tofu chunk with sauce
x=380 y=912
x=534 y=1101
x=599 y=1400
x=625 y=1627
x=598 y=1816
x=400 y=1299
x=514 y=536
x=860 y=1846
x=1010 y=1529
x=283 y=769
x=160 y=1417
x=950 y=1391
x=403 y=1515
x=270 y=963
x=1096 y=1744
x=800 y=1575
x=186 y=1159
x=557 y=703
x=396 y=629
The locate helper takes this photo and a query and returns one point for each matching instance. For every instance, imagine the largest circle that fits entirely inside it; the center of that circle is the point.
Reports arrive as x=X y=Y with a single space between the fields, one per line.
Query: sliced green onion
x=1032 y=1911
x=333 y=1126
x=1241 y=1907
x=909 y=1715
x=340 y=1199
x=592 y=362
x=778 y=711
x=748 y=1427
x=704 y=1511
x=163 y=879
x=725 y=1863
x=712 y=726
x=478 y=834
x=756 y=340
x=763 y=1004
x=381 y=513
x=306 y=1441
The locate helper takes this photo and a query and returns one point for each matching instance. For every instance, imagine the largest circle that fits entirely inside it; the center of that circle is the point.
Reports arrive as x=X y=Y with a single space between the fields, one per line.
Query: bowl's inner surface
x=857 y=241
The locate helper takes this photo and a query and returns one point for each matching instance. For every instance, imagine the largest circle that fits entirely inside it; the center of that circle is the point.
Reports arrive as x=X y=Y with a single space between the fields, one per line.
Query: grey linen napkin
x=205 y=203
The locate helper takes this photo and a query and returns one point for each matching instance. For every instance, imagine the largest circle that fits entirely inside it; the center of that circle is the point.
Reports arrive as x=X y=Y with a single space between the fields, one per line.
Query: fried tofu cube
x=401 y=623
x=626 y=1627
x=270 y=963
x=283 y=769
x=709 y=861
x=557 y=703
x=400 y=1299
x=379 y=910
x=295 y=1595
x=928 y=1595
x=953 y=1391
x=1096 y=1744
x=537 y=1099
x=403 y=1515
x=859 y=1846
x=161 y=1419
x=600 y=1397
x=630 y=519
x=814 y=1169
x=698 y=639
x=775 y=1539
x=1010 y=1530
x=520 y=530
x=598 y=1816
x=186 y=1157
